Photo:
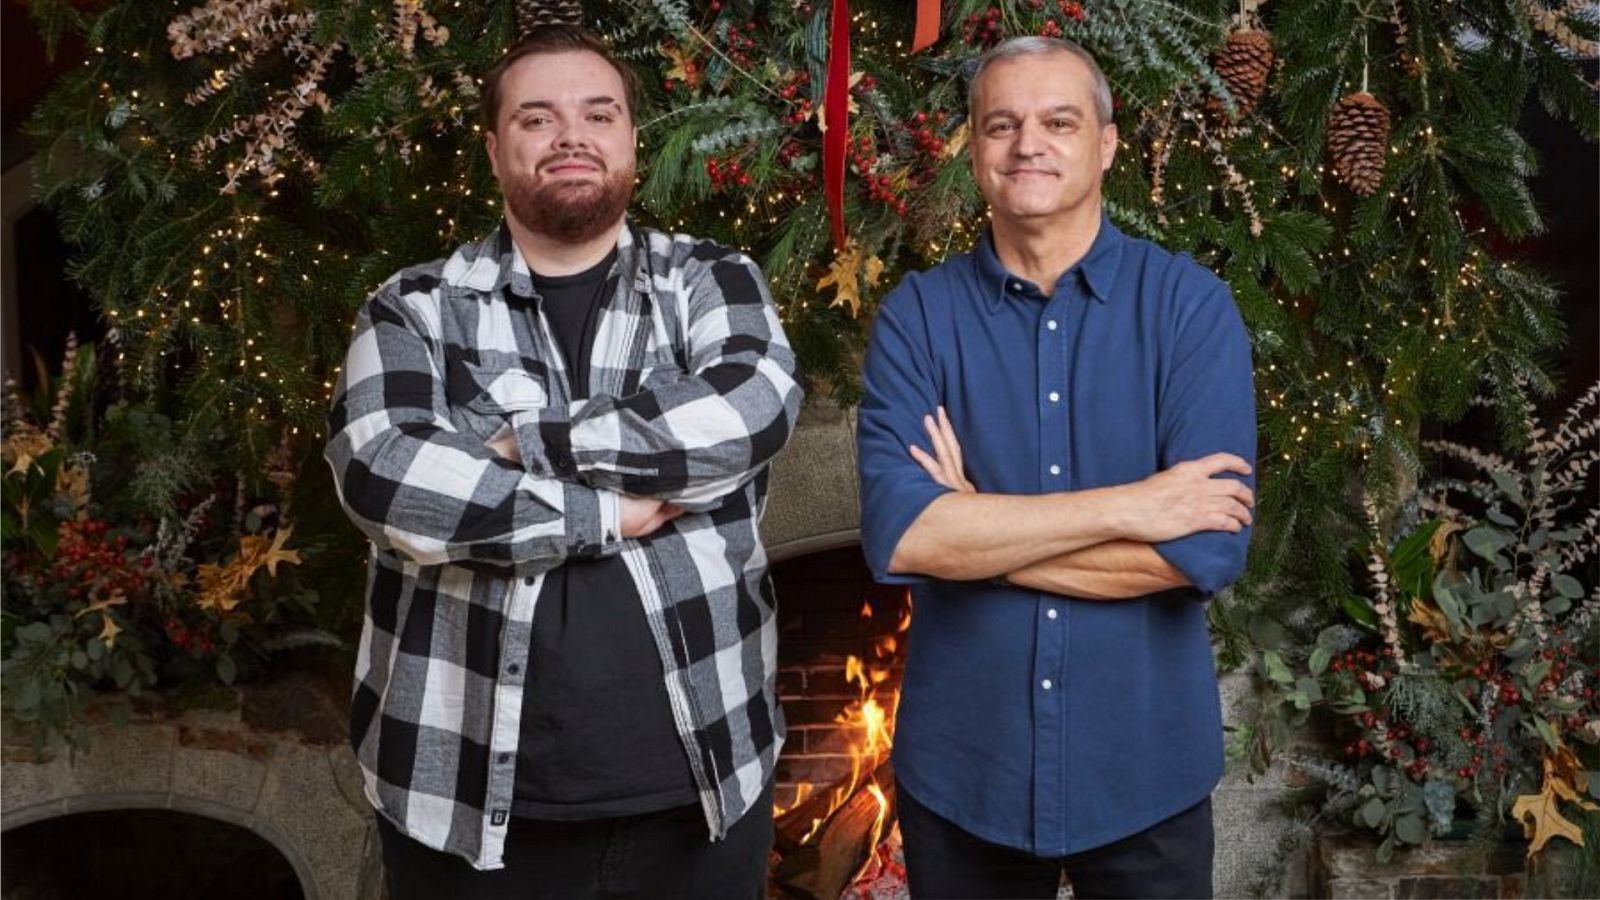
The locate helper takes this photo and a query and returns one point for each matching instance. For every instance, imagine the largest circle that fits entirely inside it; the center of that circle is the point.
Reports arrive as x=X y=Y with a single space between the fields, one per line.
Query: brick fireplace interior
x=823 y=599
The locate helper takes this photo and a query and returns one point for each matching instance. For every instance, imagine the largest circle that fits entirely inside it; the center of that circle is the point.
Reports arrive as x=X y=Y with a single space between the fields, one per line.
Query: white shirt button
x=1016 y=285
x=1055 y=397
x=1046 y=684
x=1055 y=470
x=1049 y=614
x=1051 y=324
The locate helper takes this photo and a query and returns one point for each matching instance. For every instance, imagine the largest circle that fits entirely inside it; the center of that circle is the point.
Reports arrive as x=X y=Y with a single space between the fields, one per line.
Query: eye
x=604 y=118
x=534 y=121
x=1063 y=124
x=1001 y=128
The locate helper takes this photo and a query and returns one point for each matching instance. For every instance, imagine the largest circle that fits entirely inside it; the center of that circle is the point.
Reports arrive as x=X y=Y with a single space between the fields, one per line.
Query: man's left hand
x=505 y=444
x=945 y=464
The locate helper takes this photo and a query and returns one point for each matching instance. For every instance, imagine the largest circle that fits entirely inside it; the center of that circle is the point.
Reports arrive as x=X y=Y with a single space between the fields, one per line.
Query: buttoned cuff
x=593 y=522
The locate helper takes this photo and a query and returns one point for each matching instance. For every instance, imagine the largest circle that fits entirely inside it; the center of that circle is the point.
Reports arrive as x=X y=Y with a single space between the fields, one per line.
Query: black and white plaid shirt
x=693 y=391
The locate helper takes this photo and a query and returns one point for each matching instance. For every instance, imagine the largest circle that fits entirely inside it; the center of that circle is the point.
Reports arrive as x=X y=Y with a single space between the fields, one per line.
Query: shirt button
x=1051 y=324
x=611 y=537
x=1046 y=684
x=513 y=669
x=505 y=758
x=528 y=581
x=1055 y=397
x=1049 y=614
x=1016 y=285
x=1055 y=470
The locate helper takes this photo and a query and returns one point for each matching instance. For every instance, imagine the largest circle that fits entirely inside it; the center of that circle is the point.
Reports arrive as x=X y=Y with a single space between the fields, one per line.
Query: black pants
x=665 y=854
x=1169 y=859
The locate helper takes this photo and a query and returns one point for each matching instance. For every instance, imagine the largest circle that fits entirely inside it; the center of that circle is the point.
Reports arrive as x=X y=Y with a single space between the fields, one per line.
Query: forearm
x=969 y=536
x=1114 y=570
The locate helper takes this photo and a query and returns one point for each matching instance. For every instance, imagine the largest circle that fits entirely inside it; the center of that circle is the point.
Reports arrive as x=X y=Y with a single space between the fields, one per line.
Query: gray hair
x=1033 y=45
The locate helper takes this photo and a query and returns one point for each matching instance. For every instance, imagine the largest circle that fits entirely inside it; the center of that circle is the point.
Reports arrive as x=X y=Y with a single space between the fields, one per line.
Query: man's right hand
x=642 y=516
x=1187 y=498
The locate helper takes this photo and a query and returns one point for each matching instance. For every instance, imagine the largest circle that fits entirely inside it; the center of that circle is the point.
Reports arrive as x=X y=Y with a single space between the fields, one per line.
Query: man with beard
x=557 y=442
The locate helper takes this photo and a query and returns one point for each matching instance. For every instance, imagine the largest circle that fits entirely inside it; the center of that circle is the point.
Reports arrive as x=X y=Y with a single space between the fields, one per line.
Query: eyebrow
x=1062 y=108
x=587 y=101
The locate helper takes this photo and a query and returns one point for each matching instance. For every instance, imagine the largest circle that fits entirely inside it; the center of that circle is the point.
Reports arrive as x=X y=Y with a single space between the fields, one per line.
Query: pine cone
x=1358 y=141
x=1244 y=63
x=533 y=13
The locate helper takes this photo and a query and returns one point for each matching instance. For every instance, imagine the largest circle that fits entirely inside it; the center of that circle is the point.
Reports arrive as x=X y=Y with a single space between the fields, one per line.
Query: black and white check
x=693 y=391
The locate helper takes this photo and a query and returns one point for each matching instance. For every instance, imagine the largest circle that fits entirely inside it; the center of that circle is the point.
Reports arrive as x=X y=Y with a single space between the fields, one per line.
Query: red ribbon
x=927 y=25
x=836 y=110
x=836 y=102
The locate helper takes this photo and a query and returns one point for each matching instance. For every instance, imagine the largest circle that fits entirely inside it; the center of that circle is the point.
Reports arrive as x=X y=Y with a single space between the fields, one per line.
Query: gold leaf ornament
x=1540 y=814
x=845 y=274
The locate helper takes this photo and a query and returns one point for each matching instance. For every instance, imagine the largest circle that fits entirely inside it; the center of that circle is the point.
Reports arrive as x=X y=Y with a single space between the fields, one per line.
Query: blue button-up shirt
x=1030 y=719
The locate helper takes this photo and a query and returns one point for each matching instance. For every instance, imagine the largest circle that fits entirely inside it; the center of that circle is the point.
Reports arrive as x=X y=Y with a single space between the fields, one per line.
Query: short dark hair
x=548 y=39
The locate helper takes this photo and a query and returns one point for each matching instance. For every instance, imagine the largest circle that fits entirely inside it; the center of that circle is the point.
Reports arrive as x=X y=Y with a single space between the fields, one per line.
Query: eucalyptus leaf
x=1567 y=586
x=1372 y=812
x=1410 y=829
x=1486 y=541
x=1510 y=486
x=1547 y=732
x=1320 y=657
x=1275 y=669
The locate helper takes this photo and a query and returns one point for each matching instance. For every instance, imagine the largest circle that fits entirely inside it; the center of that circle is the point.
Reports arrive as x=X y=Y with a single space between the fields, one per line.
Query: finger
x=1243 y=494
x=949 y=432
x=1223 y=462
x=947 y=455
x=928 y=465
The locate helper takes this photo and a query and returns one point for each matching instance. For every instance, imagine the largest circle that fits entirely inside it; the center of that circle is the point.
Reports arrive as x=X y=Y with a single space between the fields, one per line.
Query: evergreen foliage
x=233 y=206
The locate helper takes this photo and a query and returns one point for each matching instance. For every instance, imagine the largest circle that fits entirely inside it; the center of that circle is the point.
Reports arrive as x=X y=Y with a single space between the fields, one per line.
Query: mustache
x=589 y=158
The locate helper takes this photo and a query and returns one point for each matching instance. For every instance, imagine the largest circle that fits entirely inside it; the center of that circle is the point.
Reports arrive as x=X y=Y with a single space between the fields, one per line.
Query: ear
x=489 y=145
x=1108 y=146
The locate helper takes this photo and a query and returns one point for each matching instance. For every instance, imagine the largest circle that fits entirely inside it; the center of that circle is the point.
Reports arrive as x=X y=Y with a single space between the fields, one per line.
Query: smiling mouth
x=1015 y=172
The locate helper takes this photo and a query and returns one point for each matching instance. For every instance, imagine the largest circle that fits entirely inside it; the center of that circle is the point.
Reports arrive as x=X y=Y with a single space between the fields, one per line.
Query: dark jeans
x=1169 y=859
x=664 y=854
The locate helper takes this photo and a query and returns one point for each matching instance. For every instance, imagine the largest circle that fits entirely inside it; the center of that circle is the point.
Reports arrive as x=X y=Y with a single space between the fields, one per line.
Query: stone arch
x=302 y=798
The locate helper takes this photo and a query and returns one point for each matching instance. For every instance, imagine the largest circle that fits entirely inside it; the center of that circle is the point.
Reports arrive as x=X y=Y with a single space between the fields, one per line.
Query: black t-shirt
x=598 y=738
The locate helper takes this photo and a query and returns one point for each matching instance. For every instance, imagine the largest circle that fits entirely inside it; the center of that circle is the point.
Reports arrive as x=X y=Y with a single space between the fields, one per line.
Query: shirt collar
x=1098 y=267
x=498 y=266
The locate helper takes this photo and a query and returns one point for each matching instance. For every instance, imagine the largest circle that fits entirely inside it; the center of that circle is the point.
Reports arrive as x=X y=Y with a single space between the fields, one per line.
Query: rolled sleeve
x=1207 y=406
x=900 y=388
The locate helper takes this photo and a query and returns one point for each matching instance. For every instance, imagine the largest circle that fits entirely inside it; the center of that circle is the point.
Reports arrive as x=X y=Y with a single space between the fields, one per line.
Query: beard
x=571 y=212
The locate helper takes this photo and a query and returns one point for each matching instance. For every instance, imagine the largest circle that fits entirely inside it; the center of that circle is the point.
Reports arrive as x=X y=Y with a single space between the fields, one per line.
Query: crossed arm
x=1031 y=541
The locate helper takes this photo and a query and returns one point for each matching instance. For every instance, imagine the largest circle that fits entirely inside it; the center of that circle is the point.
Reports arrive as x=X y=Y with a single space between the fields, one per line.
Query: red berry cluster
x=982 y=30
x=741 y=40
x=1479 y=741
x=927 y=141
x=1354 y=661
x=87 y=561
x=198 y=640
x=793 y=84
x=864 y=156
x=724 y=174
x=1072 y=10
x=789 y=151
x=1050 y=29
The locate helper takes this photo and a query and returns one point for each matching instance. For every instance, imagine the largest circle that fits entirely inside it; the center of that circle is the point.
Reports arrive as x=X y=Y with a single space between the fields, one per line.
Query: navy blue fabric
x=1136 y=360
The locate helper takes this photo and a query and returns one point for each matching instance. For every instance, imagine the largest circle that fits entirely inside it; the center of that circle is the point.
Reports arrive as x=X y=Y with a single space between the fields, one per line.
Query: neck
x=548 y=256
x=1041 y=249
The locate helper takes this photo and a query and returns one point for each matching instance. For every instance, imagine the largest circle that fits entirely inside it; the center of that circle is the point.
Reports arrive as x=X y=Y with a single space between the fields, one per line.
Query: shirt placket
x=1051 y=615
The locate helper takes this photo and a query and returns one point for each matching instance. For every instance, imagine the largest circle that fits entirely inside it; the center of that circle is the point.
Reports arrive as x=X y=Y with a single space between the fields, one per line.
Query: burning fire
x=870 y=722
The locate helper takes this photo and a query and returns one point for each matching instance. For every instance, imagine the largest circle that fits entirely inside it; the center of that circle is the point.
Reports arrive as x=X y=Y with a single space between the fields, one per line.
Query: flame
x=871 y=721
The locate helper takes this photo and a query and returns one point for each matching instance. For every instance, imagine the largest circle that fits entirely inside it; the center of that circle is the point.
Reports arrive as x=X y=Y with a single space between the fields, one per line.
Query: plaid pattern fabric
x=692 y=391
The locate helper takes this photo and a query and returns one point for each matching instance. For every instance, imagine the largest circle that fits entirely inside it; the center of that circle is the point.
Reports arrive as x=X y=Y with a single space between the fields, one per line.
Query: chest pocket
x=485 y=388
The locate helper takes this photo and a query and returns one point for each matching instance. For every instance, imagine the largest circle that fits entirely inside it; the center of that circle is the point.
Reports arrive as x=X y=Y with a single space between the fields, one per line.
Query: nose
x=1027 y=142
x=571 y=136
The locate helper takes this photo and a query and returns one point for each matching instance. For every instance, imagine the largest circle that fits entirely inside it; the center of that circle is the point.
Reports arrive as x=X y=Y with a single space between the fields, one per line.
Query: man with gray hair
x=1056 y=448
